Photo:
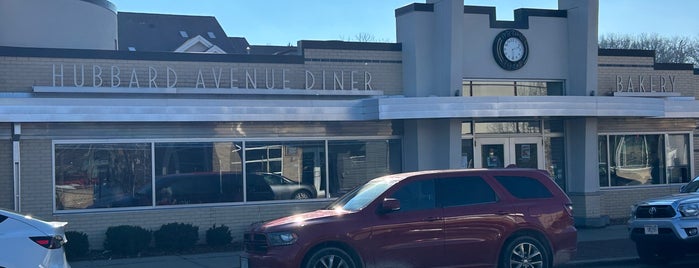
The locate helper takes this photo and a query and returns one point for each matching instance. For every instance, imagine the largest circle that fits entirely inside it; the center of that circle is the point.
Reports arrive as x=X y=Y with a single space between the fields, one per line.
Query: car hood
x=672 y=199
x=300 y=220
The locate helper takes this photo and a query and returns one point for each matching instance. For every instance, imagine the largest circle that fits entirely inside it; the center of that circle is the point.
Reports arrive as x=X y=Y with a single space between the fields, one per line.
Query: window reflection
x=300 y=165
x=108 y=175
x=510 y=127
x=643 y=159
x=100 y=175
x=352 y=163
x=512 y=88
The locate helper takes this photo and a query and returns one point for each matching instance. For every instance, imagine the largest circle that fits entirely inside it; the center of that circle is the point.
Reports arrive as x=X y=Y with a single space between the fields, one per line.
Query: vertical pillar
x=583 y=172
x=16 y=166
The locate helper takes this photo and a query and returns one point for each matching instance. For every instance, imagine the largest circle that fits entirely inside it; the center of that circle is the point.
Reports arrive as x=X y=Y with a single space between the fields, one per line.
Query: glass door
x=502 y=152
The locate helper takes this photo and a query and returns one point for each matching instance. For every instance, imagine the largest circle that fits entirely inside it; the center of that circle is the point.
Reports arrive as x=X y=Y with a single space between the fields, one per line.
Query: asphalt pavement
x=596 y=247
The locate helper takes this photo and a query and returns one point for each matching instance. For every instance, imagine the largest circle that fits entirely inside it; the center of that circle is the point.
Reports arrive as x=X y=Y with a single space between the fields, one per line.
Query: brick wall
x=617 y=201
x=237 y=218
x=37 y=178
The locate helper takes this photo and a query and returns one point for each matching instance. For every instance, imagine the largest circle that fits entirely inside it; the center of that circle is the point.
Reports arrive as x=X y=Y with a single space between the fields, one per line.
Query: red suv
x=455 y=218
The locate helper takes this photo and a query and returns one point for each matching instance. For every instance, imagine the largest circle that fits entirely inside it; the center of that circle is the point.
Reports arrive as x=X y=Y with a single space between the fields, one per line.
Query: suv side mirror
x=390 y=204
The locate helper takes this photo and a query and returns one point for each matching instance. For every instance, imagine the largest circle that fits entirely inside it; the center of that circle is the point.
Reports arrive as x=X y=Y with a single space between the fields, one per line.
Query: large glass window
x=352 y=163
x=101 y=175
x=151 y=174
x=285 y=170
x=645 y=159
x=512 y=88
x=196 y=173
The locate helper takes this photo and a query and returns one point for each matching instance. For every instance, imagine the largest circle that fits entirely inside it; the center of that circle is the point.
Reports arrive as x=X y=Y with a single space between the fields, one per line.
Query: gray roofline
x=103 y=3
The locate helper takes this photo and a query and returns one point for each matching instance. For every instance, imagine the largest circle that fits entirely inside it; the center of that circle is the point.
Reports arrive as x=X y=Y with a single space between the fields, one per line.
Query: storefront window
x=111 y=175
x=352 y=163
x=555 y=159
x=101 y=175
x=677 y=160
x=466 y=153
x=643 y=159
x=285 y=170
x=197 y=173
x=603 y=163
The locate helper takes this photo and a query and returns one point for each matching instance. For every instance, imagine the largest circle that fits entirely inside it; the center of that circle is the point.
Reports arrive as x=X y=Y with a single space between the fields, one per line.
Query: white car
x=29 y=242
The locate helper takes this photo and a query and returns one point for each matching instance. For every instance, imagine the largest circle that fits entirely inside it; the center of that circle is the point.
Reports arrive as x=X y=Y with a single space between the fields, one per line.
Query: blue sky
x=282 y=22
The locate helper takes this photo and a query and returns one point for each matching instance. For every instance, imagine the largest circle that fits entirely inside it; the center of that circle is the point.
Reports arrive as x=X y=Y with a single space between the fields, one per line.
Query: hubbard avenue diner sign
x=101 y=76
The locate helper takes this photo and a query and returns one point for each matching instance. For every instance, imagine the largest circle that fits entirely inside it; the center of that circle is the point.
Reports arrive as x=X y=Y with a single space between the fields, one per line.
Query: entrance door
x=502 y=152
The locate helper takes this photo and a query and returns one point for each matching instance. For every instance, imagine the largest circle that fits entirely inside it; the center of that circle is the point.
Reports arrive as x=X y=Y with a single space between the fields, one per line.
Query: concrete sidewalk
x=595 y=245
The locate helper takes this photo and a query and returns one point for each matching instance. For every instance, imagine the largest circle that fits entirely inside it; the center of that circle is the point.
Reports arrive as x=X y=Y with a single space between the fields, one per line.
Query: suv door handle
x=433 y=219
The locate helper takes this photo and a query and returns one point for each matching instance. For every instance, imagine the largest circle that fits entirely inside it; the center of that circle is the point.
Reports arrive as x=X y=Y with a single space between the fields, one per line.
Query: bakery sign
x=82 y=75
x=645 y=83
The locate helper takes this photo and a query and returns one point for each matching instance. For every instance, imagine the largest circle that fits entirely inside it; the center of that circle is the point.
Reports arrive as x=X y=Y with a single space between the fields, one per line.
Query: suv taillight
x=50 y=242
x=569 y=209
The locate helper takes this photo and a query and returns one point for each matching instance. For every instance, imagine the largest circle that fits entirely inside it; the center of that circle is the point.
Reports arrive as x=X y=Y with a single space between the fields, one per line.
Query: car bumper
x=675 y=230
x=280 y=257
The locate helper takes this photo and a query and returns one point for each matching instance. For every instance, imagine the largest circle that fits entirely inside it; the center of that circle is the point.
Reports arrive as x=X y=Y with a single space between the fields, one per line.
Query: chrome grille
x=255 y=242
x=664 y=211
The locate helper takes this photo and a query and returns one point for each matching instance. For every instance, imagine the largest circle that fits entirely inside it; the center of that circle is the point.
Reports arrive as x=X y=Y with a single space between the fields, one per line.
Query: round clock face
x=510 y=49
x=513 y=49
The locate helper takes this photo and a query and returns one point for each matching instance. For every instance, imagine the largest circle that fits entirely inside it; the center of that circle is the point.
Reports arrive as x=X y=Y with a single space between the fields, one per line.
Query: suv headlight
x=282 y=238
x=689 y=209
x=633 y=210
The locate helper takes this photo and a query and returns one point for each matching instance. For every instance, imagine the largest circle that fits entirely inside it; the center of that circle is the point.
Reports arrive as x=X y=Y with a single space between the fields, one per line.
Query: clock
x=510 y=49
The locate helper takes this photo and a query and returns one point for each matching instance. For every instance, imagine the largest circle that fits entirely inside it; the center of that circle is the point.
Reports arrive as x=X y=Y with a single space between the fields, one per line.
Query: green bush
x=218 y=236
x=176 y=236
x=127 y=240
x=77 y=246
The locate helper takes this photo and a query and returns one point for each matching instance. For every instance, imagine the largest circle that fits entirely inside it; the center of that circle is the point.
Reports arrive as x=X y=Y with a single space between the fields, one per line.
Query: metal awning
x=47 y=109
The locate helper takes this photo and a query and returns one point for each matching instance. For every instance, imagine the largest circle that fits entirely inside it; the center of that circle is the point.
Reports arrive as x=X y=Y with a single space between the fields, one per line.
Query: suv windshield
x=361 y=196
x=692 y=187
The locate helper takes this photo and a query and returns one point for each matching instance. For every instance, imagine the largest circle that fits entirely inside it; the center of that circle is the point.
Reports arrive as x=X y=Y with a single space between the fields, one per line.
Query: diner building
x=120 y=118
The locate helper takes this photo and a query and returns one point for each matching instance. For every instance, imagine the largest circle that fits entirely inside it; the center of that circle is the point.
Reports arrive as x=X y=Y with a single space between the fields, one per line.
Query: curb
x=604 y=261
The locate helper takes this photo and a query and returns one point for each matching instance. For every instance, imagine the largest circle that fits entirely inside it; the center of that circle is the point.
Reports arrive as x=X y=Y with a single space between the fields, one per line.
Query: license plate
x=244 y=262
x=651 y=229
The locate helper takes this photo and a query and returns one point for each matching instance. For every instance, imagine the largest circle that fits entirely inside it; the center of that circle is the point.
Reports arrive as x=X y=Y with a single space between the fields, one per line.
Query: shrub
x=176 y=236
x=127 y=240
x=218 y=236
x=77 y=246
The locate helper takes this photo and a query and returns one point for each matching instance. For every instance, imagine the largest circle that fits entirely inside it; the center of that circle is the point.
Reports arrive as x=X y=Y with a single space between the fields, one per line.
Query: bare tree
x=364 y=37
x=677 y=49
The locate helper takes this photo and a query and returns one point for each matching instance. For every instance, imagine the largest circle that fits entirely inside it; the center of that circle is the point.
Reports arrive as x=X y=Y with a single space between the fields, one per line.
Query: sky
x=284 y=22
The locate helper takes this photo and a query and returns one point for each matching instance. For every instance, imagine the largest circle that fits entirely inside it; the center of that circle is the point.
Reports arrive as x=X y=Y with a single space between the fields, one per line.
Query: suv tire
x=330 y=257
x=525 y=251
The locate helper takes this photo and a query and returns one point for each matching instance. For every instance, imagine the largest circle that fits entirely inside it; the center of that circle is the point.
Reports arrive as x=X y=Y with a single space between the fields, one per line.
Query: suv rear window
x=524 y=187
x=2 y=218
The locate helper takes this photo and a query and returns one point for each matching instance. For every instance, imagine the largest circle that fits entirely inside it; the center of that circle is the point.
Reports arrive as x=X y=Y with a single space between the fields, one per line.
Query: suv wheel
x=302 y=195
x=651 y=253
x=524 y=251
x=330 y=257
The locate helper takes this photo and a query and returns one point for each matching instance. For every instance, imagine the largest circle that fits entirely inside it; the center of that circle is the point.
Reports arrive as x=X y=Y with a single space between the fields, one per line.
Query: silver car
x=666 y=228
x=29 y=242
